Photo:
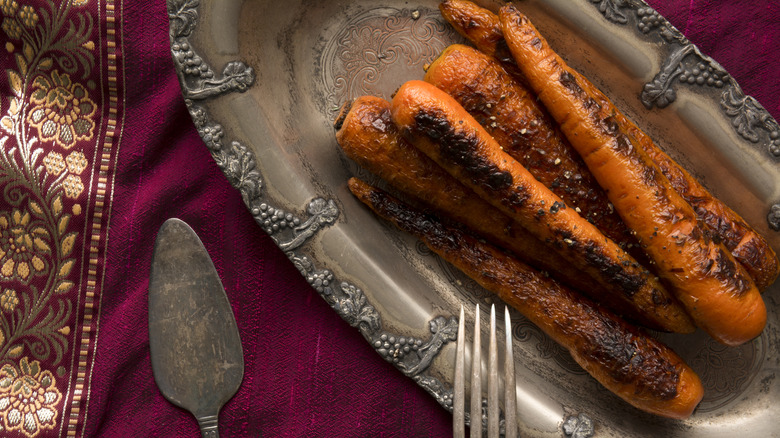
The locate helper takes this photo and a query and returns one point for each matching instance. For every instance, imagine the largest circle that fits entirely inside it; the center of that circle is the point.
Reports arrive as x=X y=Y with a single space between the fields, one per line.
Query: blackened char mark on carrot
x=503 y=53
x=650 y=177
x=725 y=270
x=724 y=231
x=617 y=274
x=436 y=235
x=343 y=111
x=609 y=125
x=411 y=221
x=719 y=265
x=623 y=144
x=460 y=147
x=592 y=105
x=626 y=355
x=570 y=82
x=751 y=252
x=660 y=299
x=696 y=235
x=557 y=206
x=721 y=229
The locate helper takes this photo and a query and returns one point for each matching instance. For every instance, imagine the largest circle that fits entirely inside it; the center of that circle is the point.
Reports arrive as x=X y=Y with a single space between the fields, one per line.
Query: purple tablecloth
x=308 y=373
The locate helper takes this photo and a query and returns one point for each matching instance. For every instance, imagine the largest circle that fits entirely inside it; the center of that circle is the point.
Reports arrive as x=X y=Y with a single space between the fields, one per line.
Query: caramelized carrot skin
x=636 y=367
x=481 y=27
x=476 y=24
x=510 y=113
x=716 y=291
x=751 y=250
x=748 y=247
x=368 y=136
x=436 y=124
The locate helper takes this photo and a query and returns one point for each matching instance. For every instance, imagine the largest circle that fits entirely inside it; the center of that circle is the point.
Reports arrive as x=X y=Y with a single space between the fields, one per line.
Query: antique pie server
x=196 y=353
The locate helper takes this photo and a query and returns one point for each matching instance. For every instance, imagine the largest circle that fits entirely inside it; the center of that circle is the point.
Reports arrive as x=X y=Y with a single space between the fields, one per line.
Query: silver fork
x=510 y=402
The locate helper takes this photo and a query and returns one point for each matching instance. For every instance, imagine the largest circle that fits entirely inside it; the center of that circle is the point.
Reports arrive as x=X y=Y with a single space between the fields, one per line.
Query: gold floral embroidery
x=22 y=248
x=77 y=162
x=45 y=107
x=12 y=27
x=62 y=110
x=9 y=7
x=8 y=121
x=9 y=300
x=73 y=186
x=28 y=16
x=28 y=397
x=54 y=163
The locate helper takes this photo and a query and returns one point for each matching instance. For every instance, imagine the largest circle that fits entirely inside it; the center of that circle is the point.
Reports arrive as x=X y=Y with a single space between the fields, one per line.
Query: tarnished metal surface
x=263 y=81
x=196 y=353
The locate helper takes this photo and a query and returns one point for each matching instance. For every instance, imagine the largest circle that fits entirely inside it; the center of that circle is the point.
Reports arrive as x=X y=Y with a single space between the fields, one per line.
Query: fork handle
x=208 y=426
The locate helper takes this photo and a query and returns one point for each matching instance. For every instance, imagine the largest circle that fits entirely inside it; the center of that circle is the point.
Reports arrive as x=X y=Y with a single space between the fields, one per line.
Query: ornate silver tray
x=263 y=81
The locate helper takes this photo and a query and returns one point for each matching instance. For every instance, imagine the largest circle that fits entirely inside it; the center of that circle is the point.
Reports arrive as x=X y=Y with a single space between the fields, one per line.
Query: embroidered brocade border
x=61 y=118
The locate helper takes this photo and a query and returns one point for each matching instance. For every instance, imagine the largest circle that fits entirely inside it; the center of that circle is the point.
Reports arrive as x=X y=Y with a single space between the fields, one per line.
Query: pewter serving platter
x=263 y=82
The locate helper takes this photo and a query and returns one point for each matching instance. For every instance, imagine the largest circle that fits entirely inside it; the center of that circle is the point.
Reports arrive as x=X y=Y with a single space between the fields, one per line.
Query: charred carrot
x=715 y=290
x=639 y=369
x=483 y=29
x=436 y=124
x=747 y=246
x=368 y=136
x=511 y=114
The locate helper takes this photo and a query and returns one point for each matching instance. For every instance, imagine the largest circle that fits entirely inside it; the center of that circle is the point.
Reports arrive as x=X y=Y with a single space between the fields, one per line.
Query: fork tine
x=510 y=394
x=458 y=403
x=476 y=380
x=492 y=389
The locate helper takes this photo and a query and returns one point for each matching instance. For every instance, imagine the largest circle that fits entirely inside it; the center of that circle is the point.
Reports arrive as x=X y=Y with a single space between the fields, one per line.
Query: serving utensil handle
x=208 y=426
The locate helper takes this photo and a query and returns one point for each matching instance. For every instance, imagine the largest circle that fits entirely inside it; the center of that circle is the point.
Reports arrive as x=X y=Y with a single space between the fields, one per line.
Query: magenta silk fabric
x=307 y=372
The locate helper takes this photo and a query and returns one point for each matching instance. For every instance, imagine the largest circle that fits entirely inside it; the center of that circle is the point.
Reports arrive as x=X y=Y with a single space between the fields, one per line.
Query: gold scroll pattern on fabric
x=49 y=135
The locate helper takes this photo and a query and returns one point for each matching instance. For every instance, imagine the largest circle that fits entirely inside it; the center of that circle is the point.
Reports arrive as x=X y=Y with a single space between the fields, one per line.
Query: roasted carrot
x=483 y=29
x=715 y=290
x=437 y=125
x=639 y=369
x=368 y=136
x=511 y=114
x=747 y=246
